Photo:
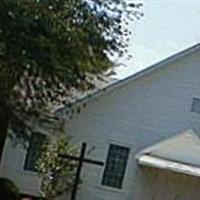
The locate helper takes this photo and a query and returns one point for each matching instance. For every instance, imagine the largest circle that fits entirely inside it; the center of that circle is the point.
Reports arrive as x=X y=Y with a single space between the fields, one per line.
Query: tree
x=48 y=47
x=57 y=174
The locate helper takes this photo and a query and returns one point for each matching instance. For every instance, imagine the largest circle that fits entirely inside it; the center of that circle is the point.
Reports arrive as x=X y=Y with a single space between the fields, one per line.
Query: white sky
x=168 y=26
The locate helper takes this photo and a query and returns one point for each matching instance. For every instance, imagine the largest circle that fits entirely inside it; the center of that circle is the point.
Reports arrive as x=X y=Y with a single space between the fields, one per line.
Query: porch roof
x=180 y=153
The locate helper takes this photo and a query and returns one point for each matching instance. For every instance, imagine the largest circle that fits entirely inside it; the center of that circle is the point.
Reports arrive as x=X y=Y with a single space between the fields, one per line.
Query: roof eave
x=155 y=162
x=139 y=74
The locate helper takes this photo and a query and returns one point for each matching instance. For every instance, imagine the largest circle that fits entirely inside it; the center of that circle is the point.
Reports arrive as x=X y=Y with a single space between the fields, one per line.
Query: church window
x=34 y=149
x=115 y=166
x=195 y=105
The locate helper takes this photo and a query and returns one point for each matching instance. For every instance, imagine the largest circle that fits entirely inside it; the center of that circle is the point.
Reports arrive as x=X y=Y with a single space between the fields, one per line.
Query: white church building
x=146 y=129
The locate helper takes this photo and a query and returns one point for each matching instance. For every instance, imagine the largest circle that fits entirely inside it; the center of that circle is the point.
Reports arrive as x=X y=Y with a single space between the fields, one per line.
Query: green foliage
x=48 y=47
x=8 y=190
x=57 y=174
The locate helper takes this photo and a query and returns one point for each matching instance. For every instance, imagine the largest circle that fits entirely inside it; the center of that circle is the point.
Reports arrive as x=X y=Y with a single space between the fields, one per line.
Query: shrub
x=8 y=190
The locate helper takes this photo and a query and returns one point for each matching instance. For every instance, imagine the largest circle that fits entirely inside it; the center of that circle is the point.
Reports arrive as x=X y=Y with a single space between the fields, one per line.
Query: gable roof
x=117 y=84
x=160 y=64
x=179 y=153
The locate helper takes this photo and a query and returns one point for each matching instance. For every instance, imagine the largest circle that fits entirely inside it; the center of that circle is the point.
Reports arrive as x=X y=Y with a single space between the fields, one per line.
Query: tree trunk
x=4 y=123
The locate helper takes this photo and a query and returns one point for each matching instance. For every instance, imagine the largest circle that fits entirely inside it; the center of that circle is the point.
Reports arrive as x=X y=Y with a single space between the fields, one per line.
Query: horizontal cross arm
x=69 y=157
x=95 y=162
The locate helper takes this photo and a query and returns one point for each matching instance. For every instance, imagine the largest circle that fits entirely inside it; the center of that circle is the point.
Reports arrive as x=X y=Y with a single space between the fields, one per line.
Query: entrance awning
x=180 y=153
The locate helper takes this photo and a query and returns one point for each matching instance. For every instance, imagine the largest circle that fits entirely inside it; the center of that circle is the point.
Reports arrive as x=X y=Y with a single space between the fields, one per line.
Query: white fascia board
x=151 y=161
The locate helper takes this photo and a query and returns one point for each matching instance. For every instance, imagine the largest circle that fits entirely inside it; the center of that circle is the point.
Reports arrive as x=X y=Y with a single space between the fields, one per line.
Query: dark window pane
x=195 y=105
x=115 y=166
x=33 y=152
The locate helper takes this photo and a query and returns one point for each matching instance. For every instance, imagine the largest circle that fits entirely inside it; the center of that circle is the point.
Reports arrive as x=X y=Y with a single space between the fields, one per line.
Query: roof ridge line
x=167 y=60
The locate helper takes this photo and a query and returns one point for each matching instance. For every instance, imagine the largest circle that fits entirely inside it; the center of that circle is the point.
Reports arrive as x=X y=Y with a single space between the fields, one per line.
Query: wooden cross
x=80 y=159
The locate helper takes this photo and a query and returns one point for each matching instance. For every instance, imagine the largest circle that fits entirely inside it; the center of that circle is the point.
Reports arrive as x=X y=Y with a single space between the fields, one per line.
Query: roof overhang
x=151 y=161
x=179 y=154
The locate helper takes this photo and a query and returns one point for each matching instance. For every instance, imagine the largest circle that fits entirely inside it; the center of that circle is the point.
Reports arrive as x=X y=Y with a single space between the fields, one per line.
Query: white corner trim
x=151 y=161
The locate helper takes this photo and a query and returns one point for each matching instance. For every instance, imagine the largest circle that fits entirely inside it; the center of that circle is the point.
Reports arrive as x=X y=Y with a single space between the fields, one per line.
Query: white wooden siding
x=137 y=115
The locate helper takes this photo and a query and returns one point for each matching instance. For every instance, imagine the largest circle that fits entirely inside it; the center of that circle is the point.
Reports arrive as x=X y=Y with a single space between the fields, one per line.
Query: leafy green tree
x=57 y=174
x=48 y=47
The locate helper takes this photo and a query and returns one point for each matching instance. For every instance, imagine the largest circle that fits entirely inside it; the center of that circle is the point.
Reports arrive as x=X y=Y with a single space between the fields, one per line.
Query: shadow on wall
x=158 y=184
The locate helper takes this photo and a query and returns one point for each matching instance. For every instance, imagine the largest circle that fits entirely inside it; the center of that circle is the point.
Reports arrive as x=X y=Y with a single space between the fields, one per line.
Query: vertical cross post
x=80 y=159
x=78 y=171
